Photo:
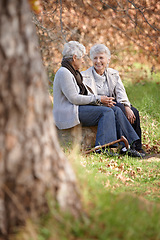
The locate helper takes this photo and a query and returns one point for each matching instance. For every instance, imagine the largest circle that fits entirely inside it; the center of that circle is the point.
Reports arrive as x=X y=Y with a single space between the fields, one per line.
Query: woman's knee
x=117 y=110
x=109 y=113
x=121 y=106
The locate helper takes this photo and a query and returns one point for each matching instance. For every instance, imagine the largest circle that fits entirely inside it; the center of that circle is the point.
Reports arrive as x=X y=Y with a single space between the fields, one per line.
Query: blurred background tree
x=130 y=29
x=33 y=167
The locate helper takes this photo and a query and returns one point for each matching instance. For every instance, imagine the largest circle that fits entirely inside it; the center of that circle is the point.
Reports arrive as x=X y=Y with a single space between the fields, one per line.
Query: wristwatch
x=98 y=101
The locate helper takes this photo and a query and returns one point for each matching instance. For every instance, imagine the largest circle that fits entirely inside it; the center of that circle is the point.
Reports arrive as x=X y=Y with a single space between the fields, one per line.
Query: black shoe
x=110 y=153
x=123 y=151
x=142 y=152
x=134 y=153
x=107 y=152
x=131 y=153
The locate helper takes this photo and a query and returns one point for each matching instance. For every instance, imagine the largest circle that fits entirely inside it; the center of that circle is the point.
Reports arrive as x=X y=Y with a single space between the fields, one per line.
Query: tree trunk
x=31 y=161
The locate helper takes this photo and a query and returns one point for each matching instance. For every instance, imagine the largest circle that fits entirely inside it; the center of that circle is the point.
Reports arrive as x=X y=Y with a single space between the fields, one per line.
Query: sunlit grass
x=125 y=207
x=145 y=96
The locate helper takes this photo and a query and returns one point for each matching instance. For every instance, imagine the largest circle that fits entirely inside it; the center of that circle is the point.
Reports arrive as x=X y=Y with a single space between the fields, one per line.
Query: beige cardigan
x=67 y=99
x=115 y=85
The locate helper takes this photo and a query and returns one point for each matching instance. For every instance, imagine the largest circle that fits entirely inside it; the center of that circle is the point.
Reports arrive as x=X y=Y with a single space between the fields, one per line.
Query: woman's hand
x=130 y=114
x=108 y=101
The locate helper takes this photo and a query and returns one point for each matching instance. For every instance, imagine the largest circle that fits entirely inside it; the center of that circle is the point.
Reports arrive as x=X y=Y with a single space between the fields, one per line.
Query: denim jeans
x=111 y=123
x=135 y=125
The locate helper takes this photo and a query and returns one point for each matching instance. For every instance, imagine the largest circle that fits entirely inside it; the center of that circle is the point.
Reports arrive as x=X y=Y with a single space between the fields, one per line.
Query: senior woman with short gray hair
x=105 y=81
x=75 y=104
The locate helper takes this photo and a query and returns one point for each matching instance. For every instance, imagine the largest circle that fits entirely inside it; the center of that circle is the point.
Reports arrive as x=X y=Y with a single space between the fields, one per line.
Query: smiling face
x=100 y=62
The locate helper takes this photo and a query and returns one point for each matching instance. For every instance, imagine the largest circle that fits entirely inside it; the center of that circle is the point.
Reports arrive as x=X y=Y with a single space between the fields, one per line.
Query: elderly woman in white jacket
x=106 y=81
x=74 y=104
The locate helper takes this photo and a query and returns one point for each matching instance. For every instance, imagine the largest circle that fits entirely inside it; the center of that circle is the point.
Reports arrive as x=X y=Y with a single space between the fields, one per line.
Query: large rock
x=84 y=136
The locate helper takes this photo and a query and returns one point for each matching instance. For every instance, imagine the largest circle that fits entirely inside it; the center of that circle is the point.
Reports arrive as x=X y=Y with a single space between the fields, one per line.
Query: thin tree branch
x=133 y=4
x=61 y=22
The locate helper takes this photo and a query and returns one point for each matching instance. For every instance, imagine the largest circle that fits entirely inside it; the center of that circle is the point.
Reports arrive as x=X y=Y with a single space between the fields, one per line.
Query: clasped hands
x=109 y=102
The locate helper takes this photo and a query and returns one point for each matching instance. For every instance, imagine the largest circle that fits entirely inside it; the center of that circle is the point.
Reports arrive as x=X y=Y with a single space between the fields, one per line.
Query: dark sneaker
x=142 y=152
x=131 y=152
x=107 y=152
x=123 y=151
x=134 y=153
x=110 y=153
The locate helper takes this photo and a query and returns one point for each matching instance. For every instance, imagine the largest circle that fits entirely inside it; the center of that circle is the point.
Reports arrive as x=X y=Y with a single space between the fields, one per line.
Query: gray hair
x=73 y=48
x=99 y=48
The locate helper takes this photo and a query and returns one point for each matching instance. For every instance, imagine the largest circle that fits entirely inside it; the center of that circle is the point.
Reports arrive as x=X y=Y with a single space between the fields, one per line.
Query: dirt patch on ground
x=152 y=157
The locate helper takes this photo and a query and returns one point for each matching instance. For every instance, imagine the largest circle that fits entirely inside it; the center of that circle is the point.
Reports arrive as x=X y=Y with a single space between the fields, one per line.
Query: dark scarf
x=79 y=79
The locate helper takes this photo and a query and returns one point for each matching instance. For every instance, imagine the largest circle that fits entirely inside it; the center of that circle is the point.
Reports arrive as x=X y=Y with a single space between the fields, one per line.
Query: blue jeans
x=111 y=123
x=135 y=125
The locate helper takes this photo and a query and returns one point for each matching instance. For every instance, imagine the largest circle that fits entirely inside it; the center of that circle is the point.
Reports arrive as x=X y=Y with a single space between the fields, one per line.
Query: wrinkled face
x=77 y=63
x=100 y=62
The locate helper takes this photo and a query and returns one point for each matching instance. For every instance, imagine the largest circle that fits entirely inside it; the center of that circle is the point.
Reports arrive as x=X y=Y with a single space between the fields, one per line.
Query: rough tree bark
x=31 y=161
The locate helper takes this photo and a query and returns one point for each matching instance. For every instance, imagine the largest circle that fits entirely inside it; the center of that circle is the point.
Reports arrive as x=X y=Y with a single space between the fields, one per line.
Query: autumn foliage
x=35 y=6
x=129 y=28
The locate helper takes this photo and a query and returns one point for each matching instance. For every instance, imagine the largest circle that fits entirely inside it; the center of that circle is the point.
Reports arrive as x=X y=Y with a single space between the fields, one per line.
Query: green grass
x=114 y=208
x=120 y=196
x=145 y=96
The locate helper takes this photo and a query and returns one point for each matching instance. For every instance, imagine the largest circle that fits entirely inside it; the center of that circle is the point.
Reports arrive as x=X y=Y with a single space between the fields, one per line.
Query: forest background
x=130 y=29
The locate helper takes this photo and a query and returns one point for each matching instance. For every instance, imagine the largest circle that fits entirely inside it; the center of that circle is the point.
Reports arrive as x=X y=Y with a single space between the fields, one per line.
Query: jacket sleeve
x=120 y=92
x=70 y=89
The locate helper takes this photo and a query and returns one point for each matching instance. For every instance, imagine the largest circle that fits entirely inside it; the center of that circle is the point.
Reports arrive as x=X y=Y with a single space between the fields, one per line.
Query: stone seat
x=84 y=136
